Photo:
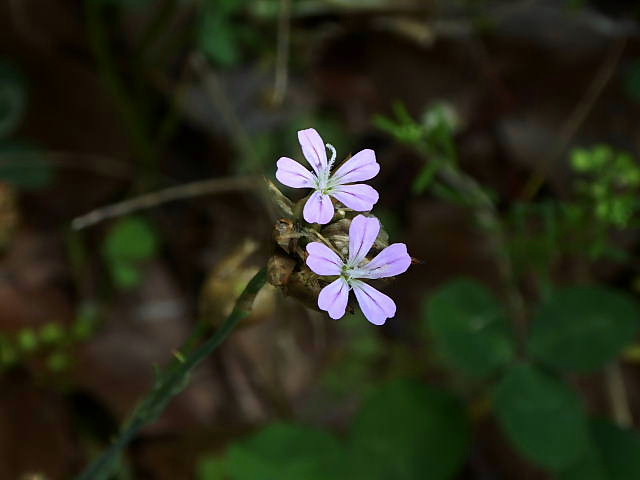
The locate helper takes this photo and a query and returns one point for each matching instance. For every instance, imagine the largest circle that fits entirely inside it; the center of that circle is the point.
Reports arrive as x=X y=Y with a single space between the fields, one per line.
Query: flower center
x=323 y=181
x=351 y=272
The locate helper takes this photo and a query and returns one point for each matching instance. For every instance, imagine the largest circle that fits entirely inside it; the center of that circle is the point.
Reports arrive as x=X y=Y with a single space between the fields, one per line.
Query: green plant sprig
x=173 y=381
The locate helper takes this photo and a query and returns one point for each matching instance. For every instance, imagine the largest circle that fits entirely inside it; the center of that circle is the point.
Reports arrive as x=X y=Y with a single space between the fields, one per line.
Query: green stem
x=135 y=122
x=171 y=382
x=165 y=14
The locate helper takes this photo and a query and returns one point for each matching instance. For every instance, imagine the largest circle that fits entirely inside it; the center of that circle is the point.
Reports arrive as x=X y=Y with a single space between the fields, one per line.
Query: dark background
x=119 y=98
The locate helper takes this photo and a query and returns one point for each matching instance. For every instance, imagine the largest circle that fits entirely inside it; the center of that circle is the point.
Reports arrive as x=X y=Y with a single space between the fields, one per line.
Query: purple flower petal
x=362 y=233
x=362 y=166
x=292 y=174
x=333 y=298
x=313 y=149
x=322 y=260
x=375 y=305
x=358 y=197
x=318 y=208
x=391 y=261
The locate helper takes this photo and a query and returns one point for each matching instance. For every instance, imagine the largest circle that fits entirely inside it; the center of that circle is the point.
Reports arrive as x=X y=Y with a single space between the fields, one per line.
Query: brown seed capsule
x=279 y=269
x=286 y=234
x=304 y=286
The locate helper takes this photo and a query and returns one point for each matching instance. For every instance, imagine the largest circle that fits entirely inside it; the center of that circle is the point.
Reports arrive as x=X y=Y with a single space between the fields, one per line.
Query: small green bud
x=441 y=115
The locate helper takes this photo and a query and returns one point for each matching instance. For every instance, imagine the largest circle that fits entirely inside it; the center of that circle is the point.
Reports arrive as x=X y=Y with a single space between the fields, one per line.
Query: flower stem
x=173 y=381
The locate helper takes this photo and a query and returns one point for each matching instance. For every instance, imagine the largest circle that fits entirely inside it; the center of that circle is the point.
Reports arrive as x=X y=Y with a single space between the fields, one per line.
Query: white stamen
x=333 y=155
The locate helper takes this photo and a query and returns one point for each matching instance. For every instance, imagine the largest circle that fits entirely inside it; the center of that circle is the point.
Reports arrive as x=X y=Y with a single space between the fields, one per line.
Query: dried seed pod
x=286 y=234
x=305 y=287
x=279 y=269
x=289 y=272
x=338 y=234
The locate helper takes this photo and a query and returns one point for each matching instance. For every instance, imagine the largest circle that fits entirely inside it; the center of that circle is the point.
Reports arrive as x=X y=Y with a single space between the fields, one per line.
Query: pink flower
x=319 y=209
x=391 y=261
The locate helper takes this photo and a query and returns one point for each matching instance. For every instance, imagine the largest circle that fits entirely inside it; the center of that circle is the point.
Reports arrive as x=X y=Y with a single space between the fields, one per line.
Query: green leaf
x=125 y=275
x=582 y=328
x=23 y=166
x=212 y=468
x=590 y=467
x=130 y=241
x=620 y=449
x=408 y=431
x=283 y=452
x=469 y=328
x=220 y=35
x=615 y=455
x=13 y=99
x=542 y=417
x=426 y=176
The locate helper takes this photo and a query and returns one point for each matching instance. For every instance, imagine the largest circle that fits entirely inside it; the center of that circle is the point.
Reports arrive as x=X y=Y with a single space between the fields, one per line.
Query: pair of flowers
x=363 y=231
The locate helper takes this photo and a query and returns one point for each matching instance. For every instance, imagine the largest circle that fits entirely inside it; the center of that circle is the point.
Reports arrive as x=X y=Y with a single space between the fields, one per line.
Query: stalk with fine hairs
x=172 y=381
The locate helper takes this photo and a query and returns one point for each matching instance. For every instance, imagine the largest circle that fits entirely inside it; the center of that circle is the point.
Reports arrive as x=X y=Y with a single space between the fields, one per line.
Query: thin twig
x=618 y=396
x=154 y=199
x=577 y=117
x=97 y=163
x=282 y=55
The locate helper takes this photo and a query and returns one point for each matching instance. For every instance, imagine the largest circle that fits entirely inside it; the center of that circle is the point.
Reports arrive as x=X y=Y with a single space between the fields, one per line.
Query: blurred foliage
x=130 y=242
x=613 y=455
x=283 y=451
x=21 y=164
x=612 y=183
x=223 y=35
x=13 y=99
x=577 y=328
x=53 y=342
x=403 y=429
x=434 y=137
x=604 y=197
x=573 y=318
x=24 y=166
x=469 y=327
x=544 y=418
